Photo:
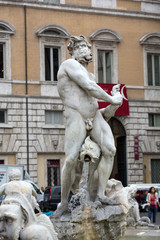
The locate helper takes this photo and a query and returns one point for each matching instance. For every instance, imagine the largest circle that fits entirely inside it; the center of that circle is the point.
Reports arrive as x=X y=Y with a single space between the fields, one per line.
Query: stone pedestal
x=92 y=221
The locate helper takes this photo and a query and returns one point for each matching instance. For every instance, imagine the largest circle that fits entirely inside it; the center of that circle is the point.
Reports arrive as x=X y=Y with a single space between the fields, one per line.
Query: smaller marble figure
x=17 y=218
x=17 y=185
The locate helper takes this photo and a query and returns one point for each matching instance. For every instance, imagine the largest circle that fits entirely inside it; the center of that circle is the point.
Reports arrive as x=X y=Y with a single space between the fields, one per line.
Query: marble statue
x=17 y=218
x=116 y=191
x=17 y=185
x=79 y=92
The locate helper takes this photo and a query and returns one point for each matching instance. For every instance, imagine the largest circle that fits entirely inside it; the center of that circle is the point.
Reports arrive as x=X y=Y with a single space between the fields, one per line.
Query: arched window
x=6 y=30
x=151 y=48
x=52 y=50
x=105 y=55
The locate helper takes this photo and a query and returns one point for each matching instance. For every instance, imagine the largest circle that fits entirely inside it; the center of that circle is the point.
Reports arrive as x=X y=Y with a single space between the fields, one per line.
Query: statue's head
x=14 y=174
x=11 y=221
x=80 y=49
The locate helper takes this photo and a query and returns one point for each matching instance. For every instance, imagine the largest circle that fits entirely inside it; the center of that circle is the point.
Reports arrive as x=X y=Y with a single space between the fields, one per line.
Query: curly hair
x=75 y=39
x=14 y=174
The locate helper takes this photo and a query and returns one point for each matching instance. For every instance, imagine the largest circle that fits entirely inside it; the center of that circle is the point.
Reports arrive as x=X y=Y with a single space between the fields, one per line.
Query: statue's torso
x=76 y=97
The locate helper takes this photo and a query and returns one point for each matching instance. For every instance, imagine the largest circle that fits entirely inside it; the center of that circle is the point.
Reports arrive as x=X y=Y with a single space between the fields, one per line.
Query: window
x=104 y=66
x=53 y=169
x=54 y=117
x=52 y=1
x=6 y=30
x=106 y=58
x=155 y=166
x=151 y=50
x=1 y=60
x=2 y=116
x=154 y=120
x=153 y=65
x=52 y=51
x=104 y=3
x=51 y=63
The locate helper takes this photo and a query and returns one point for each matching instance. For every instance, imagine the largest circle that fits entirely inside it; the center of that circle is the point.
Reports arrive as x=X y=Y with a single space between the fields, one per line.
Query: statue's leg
x=78 y=175
x=93 y=180
x=103 y=136
x=74 y=137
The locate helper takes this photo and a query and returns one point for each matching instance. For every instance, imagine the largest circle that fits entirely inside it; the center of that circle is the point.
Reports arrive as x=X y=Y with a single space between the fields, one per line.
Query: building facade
x=125 y=39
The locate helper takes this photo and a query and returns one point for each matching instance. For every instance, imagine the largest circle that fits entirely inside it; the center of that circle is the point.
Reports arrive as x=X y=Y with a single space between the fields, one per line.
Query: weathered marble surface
x=89 y=220
x=17 y=218
x=92 y=222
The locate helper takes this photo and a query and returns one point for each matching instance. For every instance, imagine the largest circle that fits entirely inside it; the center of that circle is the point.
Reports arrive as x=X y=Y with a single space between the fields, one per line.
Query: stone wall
x=13 y=133
x=137 y=124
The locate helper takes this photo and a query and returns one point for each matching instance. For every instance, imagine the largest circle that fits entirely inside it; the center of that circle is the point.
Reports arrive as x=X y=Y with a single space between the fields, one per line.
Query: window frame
x=153 y=53
x=53 y=111
x=104 y=67
x=6 y=56
x=5 y=116
x=52 y=157
x=149 y=158
x=153 y=115
x=5 y=159
x=51 y=62
x=51 y=1
x=146 y=51
x=60 y=2
x=104 y=4
x=53 y=43
x=5 y=38
x=151 y=45
x=56 y=39
x=106 y=39
x=4 y=62
x=114 y=67
x=59 y=167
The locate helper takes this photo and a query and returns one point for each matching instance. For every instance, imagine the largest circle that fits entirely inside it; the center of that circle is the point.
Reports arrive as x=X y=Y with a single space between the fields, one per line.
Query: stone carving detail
x=17 y=218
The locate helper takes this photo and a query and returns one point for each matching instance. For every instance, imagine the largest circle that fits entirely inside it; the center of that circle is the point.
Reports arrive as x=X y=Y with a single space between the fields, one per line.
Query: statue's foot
x=106 y=200
x=62 y=209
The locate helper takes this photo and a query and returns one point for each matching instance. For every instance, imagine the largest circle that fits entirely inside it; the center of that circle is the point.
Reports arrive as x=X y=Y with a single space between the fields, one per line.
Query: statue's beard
x=84 y=57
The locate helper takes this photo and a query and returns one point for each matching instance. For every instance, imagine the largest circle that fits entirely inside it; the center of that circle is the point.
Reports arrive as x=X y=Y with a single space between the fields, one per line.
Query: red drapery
x=124 y=109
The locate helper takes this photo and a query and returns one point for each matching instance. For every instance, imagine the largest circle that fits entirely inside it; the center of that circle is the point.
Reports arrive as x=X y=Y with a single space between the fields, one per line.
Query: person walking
x=152 y=199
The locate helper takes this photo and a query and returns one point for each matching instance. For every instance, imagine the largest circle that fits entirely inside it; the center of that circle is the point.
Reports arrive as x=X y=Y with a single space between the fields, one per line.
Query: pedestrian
x=152 y=199
x=42 y=189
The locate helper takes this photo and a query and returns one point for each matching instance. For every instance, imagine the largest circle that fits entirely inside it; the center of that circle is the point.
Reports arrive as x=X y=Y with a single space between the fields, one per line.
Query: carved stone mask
x=10 y=221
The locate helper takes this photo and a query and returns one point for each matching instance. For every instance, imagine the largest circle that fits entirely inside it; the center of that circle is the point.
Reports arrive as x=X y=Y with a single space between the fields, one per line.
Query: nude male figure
x=79 y=93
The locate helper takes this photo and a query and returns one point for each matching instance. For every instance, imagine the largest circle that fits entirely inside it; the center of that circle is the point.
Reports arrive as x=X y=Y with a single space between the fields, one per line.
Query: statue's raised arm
x=78 y=74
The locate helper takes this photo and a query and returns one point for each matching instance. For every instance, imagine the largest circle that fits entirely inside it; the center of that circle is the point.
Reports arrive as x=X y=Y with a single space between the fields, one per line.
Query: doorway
x=119 y=171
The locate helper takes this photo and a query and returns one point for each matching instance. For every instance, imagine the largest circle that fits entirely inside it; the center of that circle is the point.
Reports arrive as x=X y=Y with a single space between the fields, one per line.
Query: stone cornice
x=80 y=9
x=8 y=28
x=61 y=32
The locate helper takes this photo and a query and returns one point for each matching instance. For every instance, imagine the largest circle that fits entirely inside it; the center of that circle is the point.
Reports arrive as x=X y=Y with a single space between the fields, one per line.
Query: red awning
x=124 y=109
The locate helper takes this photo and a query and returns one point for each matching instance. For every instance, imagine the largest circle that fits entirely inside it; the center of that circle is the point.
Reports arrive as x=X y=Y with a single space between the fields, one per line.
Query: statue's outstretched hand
x=117 y=99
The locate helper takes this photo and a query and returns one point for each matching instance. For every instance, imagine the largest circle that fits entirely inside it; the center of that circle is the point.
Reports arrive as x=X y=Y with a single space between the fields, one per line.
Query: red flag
x=122 y=110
